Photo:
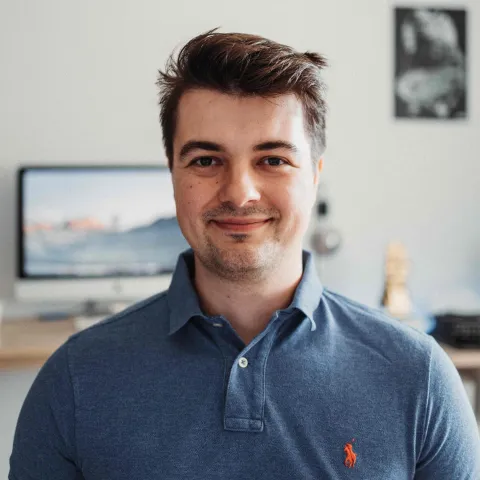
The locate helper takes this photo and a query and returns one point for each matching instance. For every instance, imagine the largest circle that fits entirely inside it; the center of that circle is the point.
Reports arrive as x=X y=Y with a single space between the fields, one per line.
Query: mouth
x=240 y=225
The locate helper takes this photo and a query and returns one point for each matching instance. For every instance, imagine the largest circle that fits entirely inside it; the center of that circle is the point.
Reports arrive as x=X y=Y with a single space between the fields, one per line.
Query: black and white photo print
x=430 y=63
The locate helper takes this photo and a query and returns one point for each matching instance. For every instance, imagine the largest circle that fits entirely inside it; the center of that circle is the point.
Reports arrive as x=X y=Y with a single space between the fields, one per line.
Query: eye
x=274 y=161
x=203 y=161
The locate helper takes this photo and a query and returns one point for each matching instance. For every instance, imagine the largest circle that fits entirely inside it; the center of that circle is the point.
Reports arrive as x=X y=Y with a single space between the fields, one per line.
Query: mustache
x=232 y=211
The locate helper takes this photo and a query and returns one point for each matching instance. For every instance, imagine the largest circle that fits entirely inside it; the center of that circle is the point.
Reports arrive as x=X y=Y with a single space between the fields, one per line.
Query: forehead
x=232 y=119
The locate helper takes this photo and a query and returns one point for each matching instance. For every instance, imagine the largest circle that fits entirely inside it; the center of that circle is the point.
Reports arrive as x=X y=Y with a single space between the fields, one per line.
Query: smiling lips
x=241 y=224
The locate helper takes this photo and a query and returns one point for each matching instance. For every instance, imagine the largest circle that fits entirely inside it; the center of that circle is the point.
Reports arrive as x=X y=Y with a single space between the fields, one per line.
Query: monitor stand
x=93 y=311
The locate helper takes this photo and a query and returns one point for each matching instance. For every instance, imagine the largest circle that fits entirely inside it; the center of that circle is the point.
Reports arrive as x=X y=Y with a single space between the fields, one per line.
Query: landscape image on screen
x=99 y=223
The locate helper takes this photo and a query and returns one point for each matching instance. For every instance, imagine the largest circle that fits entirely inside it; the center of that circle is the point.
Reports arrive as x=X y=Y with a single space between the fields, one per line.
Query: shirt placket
x=245 y=374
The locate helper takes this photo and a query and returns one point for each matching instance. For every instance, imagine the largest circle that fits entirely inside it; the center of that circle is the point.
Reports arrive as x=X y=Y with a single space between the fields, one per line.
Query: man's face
x=243 y=180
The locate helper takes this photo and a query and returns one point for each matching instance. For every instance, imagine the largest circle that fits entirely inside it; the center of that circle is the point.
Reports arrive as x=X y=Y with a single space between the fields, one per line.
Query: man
x=246 y=368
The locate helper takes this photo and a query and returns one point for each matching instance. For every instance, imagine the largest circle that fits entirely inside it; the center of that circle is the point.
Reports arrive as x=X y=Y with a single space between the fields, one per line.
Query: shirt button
x=243 y=362
x=217 y=324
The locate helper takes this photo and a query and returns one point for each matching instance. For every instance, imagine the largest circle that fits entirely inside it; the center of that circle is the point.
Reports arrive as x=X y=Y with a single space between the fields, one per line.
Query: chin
x=246 y=256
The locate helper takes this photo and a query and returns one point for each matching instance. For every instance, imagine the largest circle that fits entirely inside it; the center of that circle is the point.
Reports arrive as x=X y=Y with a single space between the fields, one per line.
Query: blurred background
x=403 y=156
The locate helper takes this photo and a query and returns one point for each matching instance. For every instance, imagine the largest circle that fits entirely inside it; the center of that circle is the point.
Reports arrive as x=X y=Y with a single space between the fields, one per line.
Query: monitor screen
x=97 y=222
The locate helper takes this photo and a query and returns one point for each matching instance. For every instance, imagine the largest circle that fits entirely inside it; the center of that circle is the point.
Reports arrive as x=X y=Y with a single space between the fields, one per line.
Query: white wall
x=77 y=85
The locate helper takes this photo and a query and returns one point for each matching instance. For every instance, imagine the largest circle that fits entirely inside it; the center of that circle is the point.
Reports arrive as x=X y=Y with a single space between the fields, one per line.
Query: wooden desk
x=467 y=362
x=28 y=344
x=463 y=359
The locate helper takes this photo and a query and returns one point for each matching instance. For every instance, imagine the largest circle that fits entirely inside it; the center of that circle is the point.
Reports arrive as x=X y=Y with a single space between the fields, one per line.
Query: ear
x=318 y=170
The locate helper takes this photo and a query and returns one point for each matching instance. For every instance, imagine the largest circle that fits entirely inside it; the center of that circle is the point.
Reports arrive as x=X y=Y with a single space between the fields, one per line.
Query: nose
x=239 y=187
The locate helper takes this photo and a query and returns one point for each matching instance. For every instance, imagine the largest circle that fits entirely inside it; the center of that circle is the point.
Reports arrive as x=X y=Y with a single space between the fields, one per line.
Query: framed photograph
x=430 y=78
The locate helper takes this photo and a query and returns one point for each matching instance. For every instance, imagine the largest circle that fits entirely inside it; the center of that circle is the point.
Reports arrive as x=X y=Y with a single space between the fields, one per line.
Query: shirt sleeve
x=451 y=441
x=44 y=440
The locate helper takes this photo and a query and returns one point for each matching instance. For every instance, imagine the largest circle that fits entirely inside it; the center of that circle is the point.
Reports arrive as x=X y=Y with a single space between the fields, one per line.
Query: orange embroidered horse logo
x=351 y=456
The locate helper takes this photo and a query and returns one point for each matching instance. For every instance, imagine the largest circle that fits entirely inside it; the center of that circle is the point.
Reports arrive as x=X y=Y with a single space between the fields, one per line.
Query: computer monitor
x=95 y=233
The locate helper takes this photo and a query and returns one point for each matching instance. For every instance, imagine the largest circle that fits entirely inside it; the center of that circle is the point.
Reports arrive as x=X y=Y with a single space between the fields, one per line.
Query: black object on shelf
x=460 y=331
x=322 y=208
x=325 y=239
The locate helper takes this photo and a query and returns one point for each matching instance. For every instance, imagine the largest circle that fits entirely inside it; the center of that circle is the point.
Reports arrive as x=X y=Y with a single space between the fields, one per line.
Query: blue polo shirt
x=329 y=389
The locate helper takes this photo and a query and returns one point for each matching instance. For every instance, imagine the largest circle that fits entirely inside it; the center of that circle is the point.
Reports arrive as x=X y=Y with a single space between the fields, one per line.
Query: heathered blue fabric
x=157 y=392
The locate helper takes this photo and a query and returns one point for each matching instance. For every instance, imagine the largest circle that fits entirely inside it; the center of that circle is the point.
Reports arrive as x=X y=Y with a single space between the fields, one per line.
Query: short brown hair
x=243 y=64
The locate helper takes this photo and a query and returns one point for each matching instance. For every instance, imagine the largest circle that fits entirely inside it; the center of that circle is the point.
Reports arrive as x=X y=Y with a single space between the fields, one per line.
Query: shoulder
x=372 y=327
x=131 y=326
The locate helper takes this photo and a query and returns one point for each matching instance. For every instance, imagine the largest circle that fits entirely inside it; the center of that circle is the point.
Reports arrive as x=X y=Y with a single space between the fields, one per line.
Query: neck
x=248 y=306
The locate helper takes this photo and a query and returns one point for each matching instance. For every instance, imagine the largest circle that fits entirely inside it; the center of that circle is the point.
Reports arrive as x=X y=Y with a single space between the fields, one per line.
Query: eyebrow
x=216 y=147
